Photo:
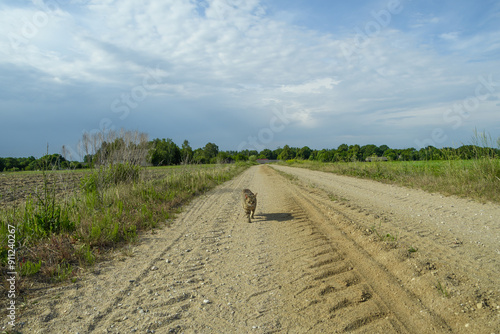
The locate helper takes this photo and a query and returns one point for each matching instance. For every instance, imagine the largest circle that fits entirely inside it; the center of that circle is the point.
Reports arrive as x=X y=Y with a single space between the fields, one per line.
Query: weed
x=63 y=272
x=29 y=268
x=391 y=238
x=128 y=251
x=86 y=254
x=384 y=237
x=412 y=249
x=442 y=289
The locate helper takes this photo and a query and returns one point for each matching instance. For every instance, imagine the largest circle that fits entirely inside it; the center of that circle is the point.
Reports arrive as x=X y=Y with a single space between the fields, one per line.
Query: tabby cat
x=249 y=202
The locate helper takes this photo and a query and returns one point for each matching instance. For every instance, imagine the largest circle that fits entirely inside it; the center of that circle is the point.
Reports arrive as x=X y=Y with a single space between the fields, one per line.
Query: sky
x=249 y=74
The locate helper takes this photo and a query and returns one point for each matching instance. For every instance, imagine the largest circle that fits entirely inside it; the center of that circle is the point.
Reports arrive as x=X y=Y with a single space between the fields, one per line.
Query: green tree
x=354 y=153
x=390 y=154
x=369 y=151
x=304 y=153
x=51 y=161
x=324 y=156
x=341 y=153
x=10 y=163
x=408 y=154
x=186 y=152
x=224 y=157
x=240 y=157
x=277 y=152
x=429 y=153
x=24 y=163
x=268 y=154
x=382 y=149
x=199 y=156
x=164 y=153
x=342 y=148
x=87 y=158
x=286 y=153
x=211 y=150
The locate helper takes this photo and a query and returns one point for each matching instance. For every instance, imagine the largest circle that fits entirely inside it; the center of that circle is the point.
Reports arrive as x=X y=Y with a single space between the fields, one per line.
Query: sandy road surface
x=306 y=264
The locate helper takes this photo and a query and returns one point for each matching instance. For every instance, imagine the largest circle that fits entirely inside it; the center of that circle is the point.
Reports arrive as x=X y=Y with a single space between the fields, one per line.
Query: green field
x=477 y=179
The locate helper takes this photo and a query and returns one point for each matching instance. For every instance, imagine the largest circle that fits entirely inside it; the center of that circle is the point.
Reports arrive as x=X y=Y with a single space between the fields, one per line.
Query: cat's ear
x=255 y=195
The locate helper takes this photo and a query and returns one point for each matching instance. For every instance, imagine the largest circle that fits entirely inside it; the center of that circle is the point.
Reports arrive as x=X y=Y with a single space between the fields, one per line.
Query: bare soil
x=324 y=254
x=15 y=188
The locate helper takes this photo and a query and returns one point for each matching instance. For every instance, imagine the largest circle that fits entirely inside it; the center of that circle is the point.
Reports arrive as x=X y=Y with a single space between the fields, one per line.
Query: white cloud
x=450 y=36
x=312 y=87
x=233 y=53
x=420 y=21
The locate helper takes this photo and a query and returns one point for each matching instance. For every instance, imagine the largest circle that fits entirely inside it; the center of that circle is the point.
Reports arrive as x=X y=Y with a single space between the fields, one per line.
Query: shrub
x=104 y=177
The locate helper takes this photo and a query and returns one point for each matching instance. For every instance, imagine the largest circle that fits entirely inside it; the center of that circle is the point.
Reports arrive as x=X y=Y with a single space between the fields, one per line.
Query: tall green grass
x=478 y=179
x=55 y=235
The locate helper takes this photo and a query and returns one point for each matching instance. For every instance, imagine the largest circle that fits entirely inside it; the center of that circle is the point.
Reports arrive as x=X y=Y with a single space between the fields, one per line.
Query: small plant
x=387 y=237
x=374 y=230
x=332 y=197
x=128 y=251
x=442 y=289
x=390 y=237
x=29 y=268
x=45 y=214
x=86 y=254
x=412 y=250
x=63 y=271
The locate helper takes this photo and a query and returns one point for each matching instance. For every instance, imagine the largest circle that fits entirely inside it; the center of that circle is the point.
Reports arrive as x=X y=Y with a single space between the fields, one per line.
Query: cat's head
x=251 y=199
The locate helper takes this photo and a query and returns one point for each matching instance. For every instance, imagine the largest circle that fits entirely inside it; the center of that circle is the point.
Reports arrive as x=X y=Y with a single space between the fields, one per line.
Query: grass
x=56 y=235
x=442 y=289
x=384 y=237
x=412 y=250
x=478 y=179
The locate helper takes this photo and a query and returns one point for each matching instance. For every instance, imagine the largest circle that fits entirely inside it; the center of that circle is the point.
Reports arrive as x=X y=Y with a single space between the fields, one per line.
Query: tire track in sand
x=330 y=283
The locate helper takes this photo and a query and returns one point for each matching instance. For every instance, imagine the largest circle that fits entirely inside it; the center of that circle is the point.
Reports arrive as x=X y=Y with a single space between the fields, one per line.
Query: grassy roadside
x=56 y=235
x=477 y=179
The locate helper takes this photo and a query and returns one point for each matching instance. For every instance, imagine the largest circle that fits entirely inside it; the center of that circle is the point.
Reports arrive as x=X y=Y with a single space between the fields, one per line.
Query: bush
x=103 y=177
x=46 y=216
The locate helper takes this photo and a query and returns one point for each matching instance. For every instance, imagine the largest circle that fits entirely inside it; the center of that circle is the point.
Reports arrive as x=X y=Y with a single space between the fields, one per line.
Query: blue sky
x=249 y=74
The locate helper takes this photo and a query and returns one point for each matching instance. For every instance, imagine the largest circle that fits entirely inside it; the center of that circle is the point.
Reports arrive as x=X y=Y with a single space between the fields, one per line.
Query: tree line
x=51 y=161
x=353 y=153
x=164 y=152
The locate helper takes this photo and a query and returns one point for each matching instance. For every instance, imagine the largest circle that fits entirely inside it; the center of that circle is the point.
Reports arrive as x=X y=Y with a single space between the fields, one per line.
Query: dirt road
x=312 y=261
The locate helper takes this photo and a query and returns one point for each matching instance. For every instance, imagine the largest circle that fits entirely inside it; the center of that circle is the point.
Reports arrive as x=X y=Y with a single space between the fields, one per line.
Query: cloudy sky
x=249 y=74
